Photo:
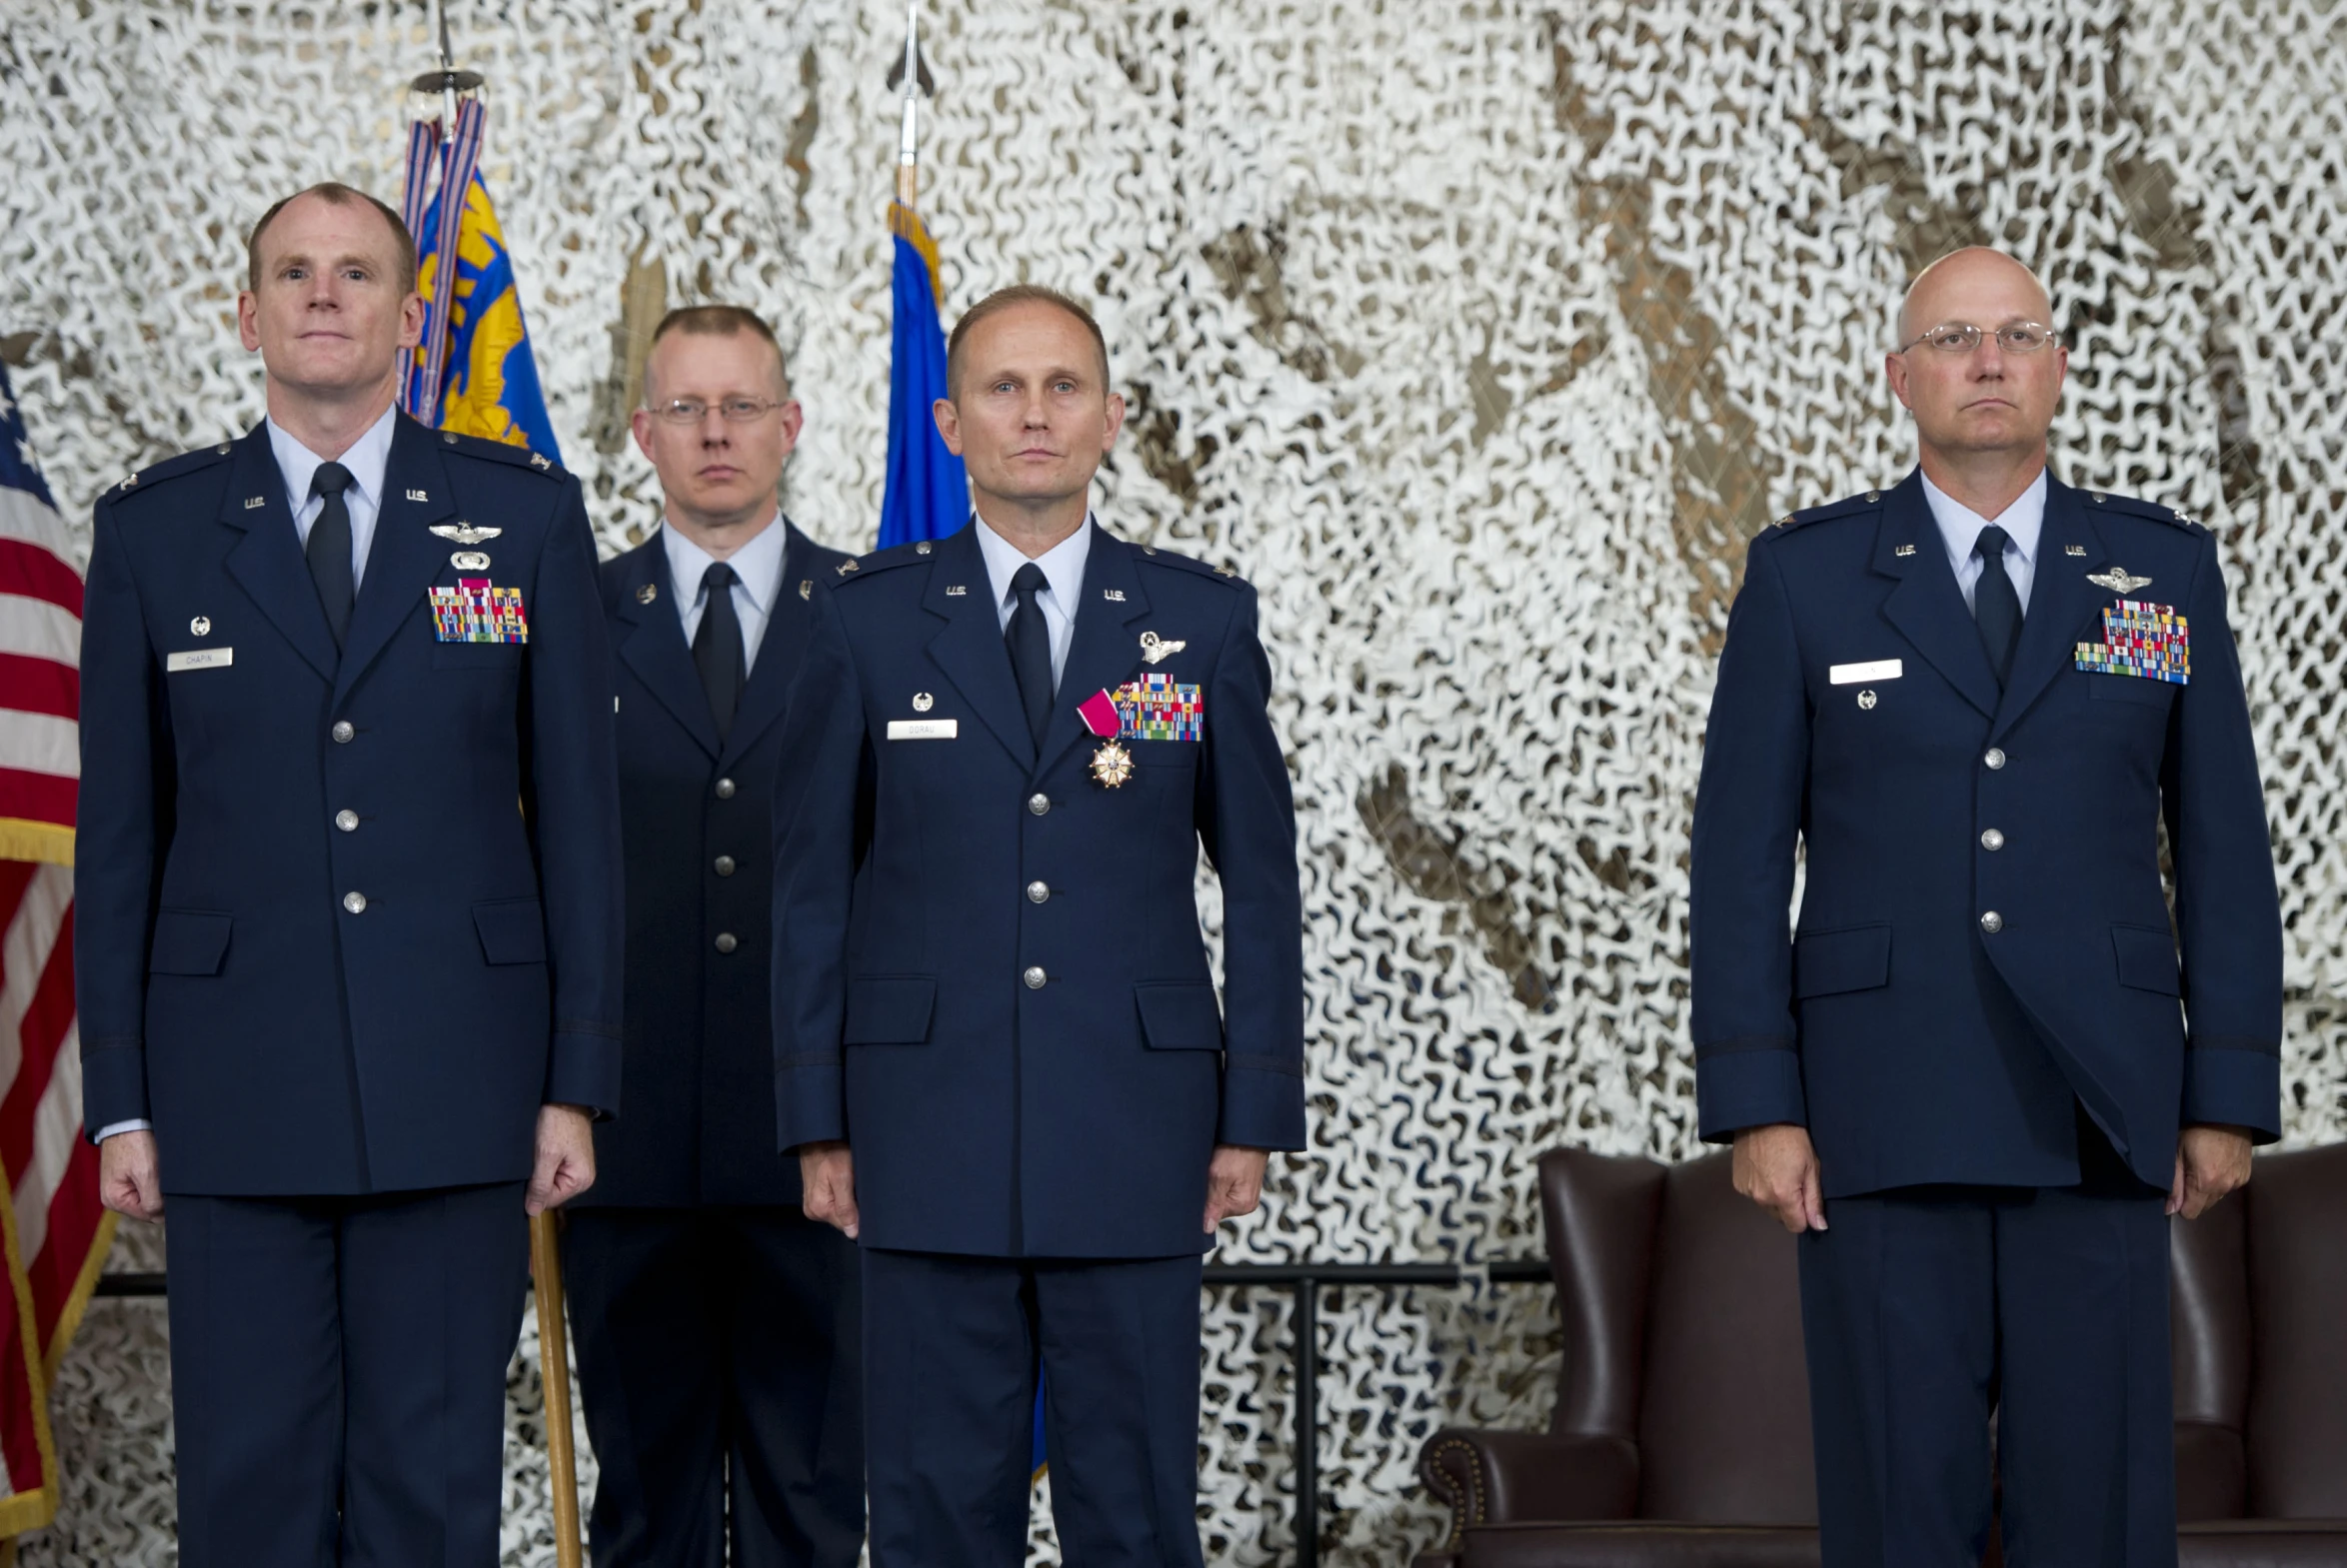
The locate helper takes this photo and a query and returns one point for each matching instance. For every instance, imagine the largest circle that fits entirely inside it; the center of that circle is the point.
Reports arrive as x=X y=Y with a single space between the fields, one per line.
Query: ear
x=1115 y=421
x=794 y=421
x=639 y=425
x=948 y=420
x=411 y=319
x=1895 y=367
x=248 y=319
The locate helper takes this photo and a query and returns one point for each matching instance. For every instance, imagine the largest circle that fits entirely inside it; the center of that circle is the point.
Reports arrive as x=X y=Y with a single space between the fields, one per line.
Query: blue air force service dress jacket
x=990 y=976
x=697 y=818
x=347 y=918
x=1984 y=945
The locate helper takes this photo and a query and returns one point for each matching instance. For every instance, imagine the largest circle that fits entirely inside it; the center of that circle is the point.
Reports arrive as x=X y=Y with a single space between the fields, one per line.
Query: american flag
x=55 y=1232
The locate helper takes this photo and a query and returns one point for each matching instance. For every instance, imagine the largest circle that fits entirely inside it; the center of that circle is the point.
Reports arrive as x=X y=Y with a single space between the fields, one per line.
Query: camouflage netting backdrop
x=1478 y=335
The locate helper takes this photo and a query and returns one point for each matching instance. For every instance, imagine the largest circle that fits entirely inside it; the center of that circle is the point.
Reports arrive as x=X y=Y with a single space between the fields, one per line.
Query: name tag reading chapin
x=924 y=729
x=199 y=659
x=1875 y=670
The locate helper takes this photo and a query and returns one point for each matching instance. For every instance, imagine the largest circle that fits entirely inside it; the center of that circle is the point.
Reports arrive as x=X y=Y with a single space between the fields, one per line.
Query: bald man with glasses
x=1982 y=1067
x=717 y=1324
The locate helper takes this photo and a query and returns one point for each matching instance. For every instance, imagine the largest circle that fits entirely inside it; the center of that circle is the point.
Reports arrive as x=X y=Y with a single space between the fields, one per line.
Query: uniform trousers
x=1924 y=1309
x=718 y=1360
x=338 y=1375
x=955 y=1344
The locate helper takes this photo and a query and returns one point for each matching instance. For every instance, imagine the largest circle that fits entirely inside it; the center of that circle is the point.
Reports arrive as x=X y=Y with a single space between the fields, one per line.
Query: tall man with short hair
x=999 y=1050
x=716 y=1324
x=348 y=930
x=1978 y=1077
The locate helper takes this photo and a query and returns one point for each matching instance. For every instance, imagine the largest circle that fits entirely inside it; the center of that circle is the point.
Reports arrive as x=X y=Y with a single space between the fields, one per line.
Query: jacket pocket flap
x=512 y=930
x=2147 y=959
x=1179 y=1017
x=1854 y=958
x=189 y=941
x=889 y=1009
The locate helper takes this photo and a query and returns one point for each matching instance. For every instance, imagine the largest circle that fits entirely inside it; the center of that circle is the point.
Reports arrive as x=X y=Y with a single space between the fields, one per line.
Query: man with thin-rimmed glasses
x=1984 y=1068
x=717 y=1324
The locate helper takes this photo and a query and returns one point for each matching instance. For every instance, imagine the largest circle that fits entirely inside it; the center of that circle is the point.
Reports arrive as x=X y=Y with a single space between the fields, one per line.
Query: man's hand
x=565 y=1158
x=1235 y=1181
x=826 y=1179
x=129 y=1182
x=1776 y=1167
x=2210 y=1163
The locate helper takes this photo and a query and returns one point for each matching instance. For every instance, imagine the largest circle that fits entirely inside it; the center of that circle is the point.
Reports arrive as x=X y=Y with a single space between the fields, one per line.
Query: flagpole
x=907 y=135
x=554 y=1372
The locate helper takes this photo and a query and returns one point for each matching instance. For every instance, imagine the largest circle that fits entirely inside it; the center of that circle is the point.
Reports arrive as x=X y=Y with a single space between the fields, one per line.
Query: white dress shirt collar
x=366 y=459
x=758 y=578
x=1960 y=525
x=1062 y=567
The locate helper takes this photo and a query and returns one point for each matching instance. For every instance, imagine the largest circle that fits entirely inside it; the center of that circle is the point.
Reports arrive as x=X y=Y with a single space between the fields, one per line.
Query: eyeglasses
x=1961 y=337
x=692 y=410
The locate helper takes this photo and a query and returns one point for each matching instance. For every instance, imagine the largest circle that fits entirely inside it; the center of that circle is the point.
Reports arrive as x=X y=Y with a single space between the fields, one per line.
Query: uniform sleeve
x=574 y=809
x=818 y=804
x=2229 y=915
x=125 y=814
x=1247 y=821
x=1748 y=806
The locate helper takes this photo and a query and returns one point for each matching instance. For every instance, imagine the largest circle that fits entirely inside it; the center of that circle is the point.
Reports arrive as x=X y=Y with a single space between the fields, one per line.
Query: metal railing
x=1302 y=1282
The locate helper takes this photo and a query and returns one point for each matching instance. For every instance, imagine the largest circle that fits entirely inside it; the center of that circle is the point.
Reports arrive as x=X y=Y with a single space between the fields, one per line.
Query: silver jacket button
x=1992 y=922
x=724 y=788
x=1039 y=802
x=726 y=942
x=343 y=729
x=1992 y=839
x=347 y=820
x=1039 y=893
x=356 y=903
x=724 y=865
x=1035 y=978
x=1995 y=757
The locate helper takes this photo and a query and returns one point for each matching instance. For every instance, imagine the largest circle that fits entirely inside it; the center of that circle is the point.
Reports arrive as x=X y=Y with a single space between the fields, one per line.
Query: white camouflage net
x=1478 y=337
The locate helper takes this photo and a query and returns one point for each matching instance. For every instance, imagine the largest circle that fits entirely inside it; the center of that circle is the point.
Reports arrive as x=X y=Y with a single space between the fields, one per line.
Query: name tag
x=199 y=659
x=924 y=729
x=1878 y=669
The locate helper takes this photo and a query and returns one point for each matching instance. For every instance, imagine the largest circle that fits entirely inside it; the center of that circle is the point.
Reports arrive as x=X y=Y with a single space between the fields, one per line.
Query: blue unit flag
x=927 y=494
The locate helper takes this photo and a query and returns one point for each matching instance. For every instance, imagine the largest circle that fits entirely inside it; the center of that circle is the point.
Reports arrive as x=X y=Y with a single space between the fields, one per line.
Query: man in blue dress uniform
x=716 y=1323
x=348 y=927
x=1978 y=1077
x=997 y=1044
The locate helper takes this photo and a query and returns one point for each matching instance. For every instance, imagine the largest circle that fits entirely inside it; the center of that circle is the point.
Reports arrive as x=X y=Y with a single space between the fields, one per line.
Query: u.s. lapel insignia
x=1115 y=596
x=648 y=593
x=1903 y=551
x=1155 y=648
x=2074 y=550
x=416 y=495
x=807 y=588
x=1112 y=765
x=255 y=503
x=2118 y=581
x=463 y=532
x=957 y=591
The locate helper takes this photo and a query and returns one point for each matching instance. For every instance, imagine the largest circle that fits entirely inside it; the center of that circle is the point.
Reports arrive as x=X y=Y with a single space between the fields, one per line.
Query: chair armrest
x=1492 y=1477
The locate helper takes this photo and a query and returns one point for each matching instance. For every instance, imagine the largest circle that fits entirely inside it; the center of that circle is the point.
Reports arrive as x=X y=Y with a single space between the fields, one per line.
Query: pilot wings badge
x=2117 y=581
x=465 y=533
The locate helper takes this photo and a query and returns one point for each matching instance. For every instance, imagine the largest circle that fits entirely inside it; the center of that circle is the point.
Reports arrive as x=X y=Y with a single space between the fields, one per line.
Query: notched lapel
x=968 y=649
x=268 y=563
x=1105 y=653
x=404 y=555
x=787 y=622
x=654 y=646
x=1926 y=606
x=2062 y=603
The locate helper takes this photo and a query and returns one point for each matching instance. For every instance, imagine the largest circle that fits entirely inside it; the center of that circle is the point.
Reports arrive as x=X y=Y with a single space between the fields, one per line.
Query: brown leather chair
x=1681 y=1432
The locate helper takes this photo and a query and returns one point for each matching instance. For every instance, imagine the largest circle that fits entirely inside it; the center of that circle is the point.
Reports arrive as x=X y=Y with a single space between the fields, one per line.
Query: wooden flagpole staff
x=554 y=1367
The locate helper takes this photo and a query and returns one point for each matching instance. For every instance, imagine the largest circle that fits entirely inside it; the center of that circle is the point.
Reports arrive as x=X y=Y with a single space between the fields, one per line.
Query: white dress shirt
x=367 y=459
x=758 y=578
x=1063 y=566
x=1960 y=526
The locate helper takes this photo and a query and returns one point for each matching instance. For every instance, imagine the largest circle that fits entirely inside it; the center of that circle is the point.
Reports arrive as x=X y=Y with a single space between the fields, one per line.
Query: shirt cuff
x=134 y=1124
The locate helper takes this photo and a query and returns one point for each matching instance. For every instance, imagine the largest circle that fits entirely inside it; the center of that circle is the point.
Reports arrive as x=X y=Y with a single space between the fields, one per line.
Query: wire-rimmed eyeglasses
x=1961 y=337
x=692 y=410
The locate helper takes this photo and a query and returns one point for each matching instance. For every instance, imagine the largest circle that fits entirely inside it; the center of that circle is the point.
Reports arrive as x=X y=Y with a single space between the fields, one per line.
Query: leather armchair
x=1681 y=1430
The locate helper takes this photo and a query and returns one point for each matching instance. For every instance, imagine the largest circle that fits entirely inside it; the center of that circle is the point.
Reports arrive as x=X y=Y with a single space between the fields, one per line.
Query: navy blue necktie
x=1030 y=641
x=1996 y=608
x=717 y=646
x=329 y=548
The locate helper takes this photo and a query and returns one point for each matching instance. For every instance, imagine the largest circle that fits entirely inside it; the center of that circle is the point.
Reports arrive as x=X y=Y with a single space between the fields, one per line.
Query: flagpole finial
x=447 y=81
x=908 y=130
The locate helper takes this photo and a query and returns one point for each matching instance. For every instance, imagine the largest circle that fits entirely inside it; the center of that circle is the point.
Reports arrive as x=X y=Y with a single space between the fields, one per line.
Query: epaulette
x=502 y=451
x=169 y=469
x=2136 y=506
x=1168 y=558
x=856 y=566
x=1847 y=507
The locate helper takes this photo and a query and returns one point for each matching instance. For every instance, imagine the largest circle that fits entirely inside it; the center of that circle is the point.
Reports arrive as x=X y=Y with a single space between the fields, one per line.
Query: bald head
x=1943 y=291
